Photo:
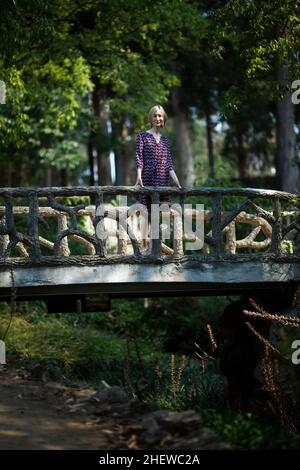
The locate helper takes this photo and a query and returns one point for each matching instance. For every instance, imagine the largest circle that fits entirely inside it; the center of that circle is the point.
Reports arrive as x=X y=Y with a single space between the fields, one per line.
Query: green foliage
x=55 y=54
x=169 y=324
x=261 y=32
x=225 y=169
x=50 y=337
x=183 y=383
x=245 y=431
x=184 y=321
x=43 y=108
x=261 y=17
x=128 y=318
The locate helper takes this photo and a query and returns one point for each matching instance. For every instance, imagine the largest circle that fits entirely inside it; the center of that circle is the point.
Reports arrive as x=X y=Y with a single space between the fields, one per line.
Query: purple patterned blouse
x=155 y=160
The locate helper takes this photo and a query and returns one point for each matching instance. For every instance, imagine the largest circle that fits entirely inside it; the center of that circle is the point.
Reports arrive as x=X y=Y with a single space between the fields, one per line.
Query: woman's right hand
x=139 y=181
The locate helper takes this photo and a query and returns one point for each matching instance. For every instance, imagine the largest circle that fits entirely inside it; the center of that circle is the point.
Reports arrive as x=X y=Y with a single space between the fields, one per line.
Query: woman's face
x=158 y=118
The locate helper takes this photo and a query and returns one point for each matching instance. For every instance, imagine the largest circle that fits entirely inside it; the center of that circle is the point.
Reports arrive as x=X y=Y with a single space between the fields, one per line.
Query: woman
x=153 y=157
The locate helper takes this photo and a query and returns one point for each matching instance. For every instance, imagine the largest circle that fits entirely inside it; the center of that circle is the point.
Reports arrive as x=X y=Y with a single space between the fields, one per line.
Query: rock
x=152 y=432
x=205 y=440
x=109 y=395
x=183 y=423
x=182 y=430
x=44 y=370
x=141 y=408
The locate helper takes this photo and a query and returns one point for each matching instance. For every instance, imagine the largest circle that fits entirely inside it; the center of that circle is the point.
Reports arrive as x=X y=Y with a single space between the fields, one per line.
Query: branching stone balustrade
x=280 y=229
x=58 y=227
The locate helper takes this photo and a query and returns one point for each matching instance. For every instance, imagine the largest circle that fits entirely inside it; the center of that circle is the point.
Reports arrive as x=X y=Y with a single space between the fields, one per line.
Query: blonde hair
x=157 y=107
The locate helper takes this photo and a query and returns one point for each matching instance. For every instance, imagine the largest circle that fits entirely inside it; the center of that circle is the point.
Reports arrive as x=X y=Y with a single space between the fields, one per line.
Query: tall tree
x=185 y=167
x=265 y=36
x=131 y=59
x=288 y=170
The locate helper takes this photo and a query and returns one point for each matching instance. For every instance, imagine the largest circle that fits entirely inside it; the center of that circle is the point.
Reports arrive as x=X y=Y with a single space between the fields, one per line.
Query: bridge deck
x=190 y=277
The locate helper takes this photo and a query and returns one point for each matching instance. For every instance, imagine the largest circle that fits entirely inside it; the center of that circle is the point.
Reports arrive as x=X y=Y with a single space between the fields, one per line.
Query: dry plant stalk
x=270 y=374
x=180 y=371
x=296 y=299
x=267 y=371
x=257 y=307
x=126 y=371
x=176 y=376
x=205 y=355
x=266 y=343
x=211 y=338
x=289 y=321
x=158 y=375
x=158 y=372
x=172 y=370
x=269 y=365
x=138 y=354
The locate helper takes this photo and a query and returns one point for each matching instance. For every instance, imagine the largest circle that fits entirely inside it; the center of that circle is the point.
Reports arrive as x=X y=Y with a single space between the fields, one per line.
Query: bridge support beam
x=122 y=279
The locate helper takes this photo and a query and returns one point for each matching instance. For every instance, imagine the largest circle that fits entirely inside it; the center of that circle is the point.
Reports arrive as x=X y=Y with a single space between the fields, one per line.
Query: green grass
x=80 y=347
x=55 y=338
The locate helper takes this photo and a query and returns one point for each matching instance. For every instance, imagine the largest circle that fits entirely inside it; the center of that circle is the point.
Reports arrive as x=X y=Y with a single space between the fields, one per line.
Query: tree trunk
x=90 y=150
x=64 y=177
x=125 y=157
x=122 y=153
x=104 y=175
x=210 y=152
x=23 y=174
x=119 y=153
x=7 y=179
x=119 y=156
x=242 y=156
x=102 y=137
x=48 y=177
x=185 y=164
x=287 y=168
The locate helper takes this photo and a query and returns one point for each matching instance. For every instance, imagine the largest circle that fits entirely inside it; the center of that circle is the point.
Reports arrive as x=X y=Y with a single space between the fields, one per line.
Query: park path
x=46 y=415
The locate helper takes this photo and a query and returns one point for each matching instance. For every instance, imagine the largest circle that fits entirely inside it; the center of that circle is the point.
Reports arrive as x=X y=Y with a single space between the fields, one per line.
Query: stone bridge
x=210 y=241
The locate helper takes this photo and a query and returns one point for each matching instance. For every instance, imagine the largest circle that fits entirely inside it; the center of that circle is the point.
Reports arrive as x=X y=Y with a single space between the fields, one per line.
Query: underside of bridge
x=63 y=286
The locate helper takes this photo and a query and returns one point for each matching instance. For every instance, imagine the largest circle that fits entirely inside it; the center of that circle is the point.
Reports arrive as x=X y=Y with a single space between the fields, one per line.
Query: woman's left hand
x=175 y=179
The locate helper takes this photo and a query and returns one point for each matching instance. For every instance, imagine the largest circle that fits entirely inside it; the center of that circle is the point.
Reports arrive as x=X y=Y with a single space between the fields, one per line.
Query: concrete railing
x=60 y=225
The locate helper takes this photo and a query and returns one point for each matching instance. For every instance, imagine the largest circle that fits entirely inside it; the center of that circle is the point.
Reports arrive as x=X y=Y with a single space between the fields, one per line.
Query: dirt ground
x=39 y=414
x=48 y=416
